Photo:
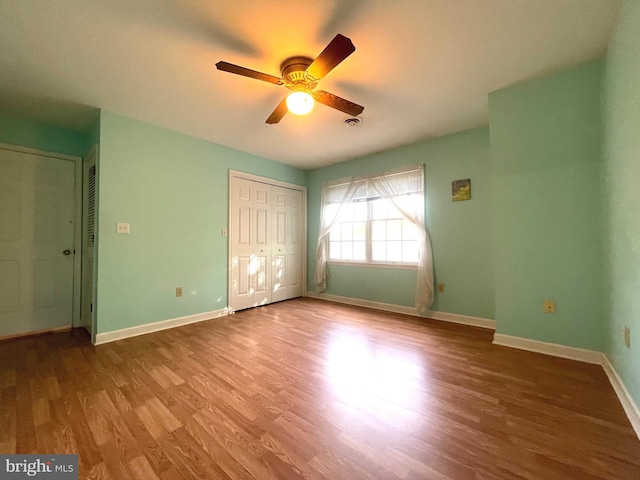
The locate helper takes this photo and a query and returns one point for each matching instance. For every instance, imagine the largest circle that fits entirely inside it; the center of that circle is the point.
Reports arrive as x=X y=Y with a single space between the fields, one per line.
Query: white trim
x=563 y=351
x=392 y=265
x=462 y=319
x=388 y=307
x=629 y=406
x=266 y=180
x=40 y=153
x=77 y=242
x=101 y=338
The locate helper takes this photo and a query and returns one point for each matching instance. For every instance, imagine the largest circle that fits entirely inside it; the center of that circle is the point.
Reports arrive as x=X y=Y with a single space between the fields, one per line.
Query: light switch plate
x=122 y=228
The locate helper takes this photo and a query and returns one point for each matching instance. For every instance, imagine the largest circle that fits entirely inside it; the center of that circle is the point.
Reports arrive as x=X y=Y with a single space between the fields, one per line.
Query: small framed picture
x=461 y=190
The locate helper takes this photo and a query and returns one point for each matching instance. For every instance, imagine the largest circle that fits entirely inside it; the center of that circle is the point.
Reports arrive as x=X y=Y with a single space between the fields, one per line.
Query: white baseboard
x=156 y=326
x=629 y=406
x=388 y=307
x=572 y=353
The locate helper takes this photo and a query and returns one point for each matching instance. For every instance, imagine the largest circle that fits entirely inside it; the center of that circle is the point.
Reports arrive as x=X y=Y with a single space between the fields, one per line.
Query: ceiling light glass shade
x=300 y=103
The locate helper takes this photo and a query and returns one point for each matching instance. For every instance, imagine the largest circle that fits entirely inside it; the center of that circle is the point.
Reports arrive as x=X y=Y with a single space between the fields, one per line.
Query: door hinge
x=91 y=308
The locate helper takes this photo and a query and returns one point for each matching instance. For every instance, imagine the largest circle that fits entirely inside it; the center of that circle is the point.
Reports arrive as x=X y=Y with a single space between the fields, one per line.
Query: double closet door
x=266 y=241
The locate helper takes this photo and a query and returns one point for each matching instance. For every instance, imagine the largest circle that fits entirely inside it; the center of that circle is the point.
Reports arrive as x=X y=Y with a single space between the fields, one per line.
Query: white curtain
x=404 y=188
x=406 y=191
x=334 y=199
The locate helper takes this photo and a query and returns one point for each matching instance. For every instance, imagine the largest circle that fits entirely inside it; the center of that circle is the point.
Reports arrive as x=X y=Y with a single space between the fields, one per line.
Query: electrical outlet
x=123 y=228
x=627 y=337
x=441 y=288
x=549 y=306
x=178 y=291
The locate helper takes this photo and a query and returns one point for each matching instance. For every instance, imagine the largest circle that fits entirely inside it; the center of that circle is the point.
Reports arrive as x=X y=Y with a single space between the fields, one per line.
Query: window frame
x=369 y=262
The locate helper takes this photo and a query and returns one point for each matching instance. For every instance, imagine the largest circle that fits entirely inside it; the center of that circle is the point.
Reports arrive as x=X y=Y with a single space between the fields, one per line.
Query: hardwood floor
x=311 y=389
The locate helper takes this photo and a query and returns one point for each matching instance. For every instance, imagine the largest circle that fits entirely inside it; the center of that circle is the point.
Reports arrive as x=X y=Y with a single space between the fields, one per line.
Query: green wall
x=173 y=190
x=545 y=141
x=16 y=130
x=460 y=232
x=622 y=172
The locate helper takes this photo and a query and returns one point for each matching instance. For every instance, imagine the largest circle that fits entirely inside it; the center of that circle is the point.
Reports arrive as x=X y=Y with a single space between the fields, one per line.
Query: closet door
x=266 y=241
x=295 y=216
x=250 y=268
x=280 y=235
x=261 y=255
x=286 y=247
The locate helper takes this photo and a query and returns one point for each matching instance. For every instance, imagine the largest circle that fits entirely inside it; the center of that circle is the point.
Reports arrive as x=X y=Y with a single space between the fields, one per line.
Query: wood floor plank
x=314 y=390
x=141 y=469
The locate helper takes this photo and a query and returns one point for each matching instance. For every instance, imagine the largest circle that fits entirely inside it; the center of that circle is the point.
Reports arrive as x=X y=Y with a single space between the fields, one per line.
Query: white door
x=286 y=243
x=249 y=239
x=266 y=241
x=296 y=217
x=36 y=242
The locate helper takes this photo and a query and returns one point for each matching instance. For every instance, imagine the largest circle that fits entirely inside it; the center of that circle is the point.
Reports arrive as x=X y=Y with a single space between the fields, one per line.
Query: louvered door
x=88 y=239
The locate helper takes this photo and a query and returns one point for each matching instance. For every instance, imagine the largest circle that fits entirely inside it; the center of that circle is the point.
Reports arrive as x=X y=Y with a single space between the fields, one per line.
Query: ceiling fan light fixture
x=300 y=103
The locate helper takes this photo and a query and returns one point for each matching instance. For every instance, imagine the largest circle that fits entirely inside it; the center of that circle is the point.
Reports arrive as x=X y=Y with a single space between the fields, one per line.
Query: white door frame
x=77 y=217
x=268 y=181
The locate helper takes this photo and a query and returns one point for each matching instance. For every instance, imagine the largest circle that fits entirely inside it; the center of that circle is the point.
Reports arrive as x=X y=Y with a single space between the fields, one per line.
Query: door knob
x=66 y=252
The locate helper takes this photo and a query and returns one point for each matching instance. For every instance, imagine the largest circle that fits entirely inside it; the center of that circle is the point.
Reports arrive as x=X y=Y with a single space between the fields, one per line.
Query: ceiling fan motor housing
x=293 y=72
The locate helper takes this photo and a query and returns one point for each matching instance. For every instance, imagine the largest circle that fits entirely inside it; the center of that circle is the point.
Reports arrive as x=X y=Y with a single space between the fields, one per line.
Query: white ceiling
x=422 y=68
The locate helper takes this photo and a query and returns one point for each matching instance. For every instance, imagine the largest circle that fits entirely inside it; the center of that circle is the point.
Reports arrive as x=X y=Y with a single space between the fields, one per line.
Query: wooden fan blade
x=247 y=72
x=338 y=49
x=339 y=103
x=279 y=112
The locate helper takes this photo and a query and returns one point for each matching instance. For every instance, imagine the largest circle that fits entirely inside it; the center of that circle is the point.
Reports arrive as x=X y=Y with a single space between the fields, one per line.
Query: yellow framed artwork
x=461 y=190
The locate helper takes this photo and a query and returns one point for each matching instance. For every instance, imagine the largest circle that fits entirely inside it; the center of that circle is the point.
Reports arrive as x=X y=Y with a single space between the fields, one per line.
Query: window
x=377 y=219
x=373 y=230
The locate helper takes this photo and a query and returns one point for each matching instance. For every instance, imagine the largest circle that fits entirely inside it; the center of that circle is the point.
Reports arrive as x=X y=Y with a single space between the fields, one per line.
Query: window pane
x=347 y=251
x=330 y=210
x=392 y=211
x=378 y=230
x=408 y=230
x=334 y=236
x=379 y=209
x=360 y=211
x=359 y=231
x=334 y=250
x=410 y=252
x=347 y=230
x=394 y=229
x=359 y=251
x=378 y=251
x=347 y=213
x=394 y=251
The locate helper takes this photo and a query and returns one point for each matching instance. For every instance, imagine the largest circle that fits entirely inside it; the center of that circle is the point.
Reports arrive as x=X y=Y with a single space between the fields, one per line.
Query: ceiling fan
x=301 y=75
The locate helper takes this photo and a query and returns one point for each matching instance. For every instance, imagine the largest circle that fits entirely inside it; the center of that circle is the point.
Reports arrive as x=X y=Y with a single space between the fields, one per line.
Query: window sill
x=394 y=266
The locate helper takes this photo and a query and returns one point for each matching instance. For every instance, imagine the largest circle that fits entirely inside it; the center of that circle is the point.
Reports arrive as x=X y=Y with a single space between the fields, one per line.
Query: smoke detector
x=352 y=121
